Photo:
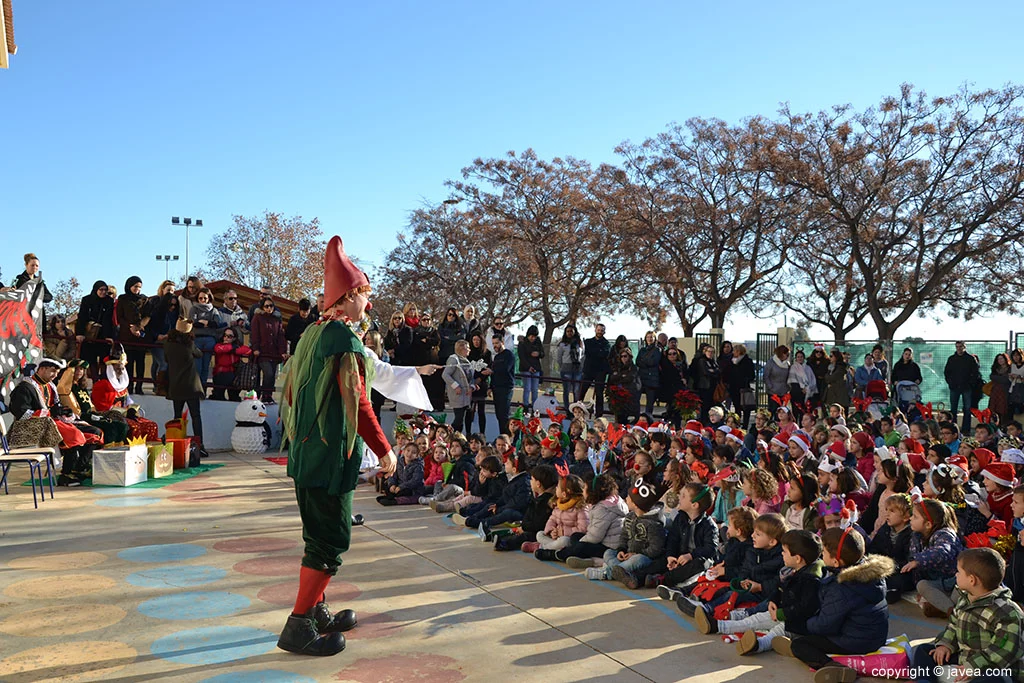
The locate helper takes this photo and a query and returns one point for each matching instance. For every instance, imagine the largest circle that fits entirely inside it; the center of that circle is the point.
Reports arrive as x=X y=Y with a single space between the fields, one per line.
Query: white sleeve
x=399 y=383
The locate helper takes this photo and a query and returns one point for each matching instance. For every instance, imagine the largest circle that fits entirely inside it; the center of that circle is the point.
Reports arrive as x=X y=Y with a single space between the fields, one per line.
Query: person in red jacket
x=226 y=353
x=112 y=388
x=269 y=346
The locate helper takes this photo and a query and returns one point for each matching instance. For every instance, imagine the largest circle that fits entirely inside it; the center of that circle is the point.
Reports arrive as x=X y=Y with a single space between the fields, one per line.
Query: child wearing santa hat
x=999 y=481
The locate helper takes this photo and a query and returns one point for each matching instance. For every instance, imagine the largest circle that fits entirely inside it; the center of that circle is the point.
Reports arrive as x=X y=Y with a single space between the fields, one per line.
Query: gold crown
x=137 y=441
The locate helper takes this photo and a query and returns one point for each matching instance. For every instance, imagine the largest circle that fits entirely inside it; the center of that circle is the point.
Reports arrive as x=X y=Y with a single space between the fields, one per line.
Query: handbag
x=748 y=399
x=721 y=393
x=245 y=375
x=92 y=330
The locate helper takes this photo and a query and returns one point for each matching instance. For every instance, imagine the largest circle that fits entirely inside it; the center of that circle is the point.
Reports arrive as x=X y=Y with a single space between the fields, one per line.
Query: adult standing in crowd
x=776 y=376
x=503 y=380
x=570 y=364
x=265 y=293
x=836 y=389
x=672 y=373
x=530 y=351
x=373 y=341
x=725 y=364
x=905 y=369
x=458 y=379
x=131 y=322
x=318 y=308
x=705 y=374
x=595 y=368
x=30 y=273
x=392 y=340
x=648 y=363
x=162 y=311
x=498 y=327
x=469 y=322
x=880 y=361
x=207 y=326
x=961 y=374
x=233 y=315
x=183 y=385
x=626 y=376
x=298 y=323
x=1017 y=381
x=999 y=398
x=867 y=373
x=188 y=295
x=269 y=347
x=819 y=363
x=426 y=342
x=94 y=328
x=740 y=381
x=803 y=385
x=479 y=351
x=449 y=331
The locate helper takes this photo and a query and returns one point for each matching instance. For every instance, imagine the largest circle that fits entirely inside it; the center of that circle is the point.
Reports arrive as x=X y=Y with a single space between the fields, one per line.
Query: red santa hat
x=801 y=440
x=693 y=427
x=916 y=462
x=838 y=449
x=341 y=276
x=779 y=440
x=984 y=456
x=1001 y=473
x=958 y=461
x=550 y=444
x=736 y=435
x=914 y=446
x=865 y=442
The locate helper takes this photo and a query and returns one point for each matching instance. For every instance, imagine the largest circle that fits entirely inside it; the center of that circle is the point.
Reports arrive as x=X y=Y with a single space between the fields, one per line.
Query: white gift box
x=119 y=466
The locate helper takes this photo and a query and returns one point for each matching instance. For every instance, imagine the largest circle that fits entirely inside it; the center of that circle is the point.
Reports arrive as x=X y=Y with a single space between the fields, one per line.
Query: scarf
x=784 y=364
x=206 y=308
x=412 y=322
x=736 y=361
x=569 y=504
x=119 y=383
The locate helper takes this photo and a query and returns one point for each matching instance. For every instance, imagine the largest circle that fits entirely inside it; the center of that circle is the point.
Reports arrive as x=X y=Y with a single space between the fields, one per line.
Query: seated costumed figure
x=110 y=396
x=37 y=412
x=74 y=394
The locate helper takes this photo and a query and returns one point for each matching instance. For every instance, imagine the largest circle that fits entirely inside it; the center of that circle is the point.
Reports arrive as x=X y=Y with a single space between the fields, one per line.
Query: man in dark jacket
x=962 y=373
x=503 y=380
x=297 y=324
x=595 y=367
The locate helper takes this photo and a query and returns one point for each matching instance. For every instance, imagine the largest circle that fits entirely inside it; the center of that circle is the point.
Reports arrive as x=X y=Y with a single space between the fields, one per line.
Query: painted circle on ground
x=68 y=586
x=194 y=605
x=373 y=626
x=254 y=544
x=57 y=561
x=276 y=565
x=214 y=645
x=118 y=491
x=62 y=620
x=284 y=593
x=61 y=503
x=266 y=676
x=397 y=668
x=127 y=501
x=165 y=552
x=89 y=660
x=199 y=497
x=176 y=576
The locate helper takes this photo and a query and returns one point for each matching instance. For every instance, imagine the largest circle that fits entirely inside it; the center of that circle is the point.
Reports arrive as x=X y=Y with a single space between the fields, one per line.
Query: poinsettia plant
x=687 y=403
x=619 y=399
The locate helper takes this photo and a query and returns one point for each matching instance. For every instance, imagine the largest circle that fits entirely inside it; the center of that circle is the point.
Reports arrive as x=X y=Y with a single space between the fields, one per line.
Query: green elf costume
x=327 y=417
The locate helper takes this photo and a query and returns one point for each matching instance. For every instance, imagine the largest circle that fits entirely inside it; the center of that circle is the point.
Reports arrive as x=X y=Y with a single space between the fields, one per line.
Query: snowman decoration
x=251 y=433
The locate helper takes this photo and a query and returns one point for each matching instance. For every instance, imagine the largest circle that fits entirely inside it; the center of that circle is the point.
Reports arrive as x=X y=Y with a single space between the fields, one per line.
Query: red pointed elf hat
x=341 y=276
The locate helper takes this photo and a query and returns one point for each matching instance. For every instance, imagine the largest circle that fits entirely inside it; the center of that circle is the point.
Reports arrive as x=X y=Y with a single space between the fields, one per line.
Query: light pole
x=167 y=258
x=187 y=222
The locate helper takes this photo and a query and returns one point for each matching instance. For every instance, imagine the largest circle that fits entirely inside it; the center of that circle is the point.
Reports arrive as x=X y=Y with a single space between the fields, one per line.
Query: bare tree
x=67 y=297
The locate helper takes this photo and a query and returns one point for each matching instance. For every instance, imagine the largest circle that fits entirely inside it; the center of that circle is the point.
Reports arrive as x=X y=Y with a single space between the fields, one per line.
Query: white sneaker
x=596 y=573
x=425 y=500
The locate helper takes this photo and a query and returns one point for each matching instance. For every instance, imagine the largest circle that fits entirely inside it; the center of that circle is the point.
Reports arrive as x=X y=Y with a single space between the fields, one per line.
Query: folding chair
x=31 y=456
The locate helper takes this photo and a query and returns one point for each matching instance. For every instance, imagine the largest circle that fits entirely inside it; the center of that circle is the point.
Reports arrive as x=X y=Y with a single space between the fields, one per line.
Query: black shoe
x=384 y=500
x=65 y=480
x=686 y=606
x=546 y=555
x=893 y=596
x=203 y=453
x=301 y=636
x=139 y=391
x=357 y=520
x=345 y=620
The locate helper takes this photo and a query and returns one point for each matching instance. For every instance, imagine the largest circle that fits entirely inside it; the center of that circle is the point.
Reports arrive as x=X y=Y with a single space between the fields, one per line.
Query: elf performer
x=327 y=415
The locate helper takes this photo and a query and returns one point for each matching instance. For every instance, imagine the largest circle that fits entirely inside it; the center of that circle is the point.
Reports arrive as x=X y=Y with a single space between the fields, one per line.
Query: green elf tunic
x=327 y=417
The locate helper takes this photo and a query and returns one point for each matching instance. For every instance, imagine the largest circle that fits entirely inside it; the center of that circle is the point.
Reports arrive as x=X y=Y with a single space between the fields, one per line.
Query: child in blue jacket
x=514 y=499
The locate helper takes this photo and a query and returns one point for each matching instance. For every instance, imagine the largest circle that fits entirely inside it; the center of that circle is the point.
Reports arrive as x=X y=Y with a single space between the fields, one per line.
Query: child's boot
x=545 y=555
x=627 y=579
x=747 y=643
x=705 y=622
x=835 y=673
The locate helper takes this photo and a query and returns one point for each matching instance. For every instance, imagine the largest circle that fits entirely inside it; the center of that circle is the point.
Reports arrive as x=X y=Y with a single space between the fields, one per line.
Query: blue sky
x=118 y=115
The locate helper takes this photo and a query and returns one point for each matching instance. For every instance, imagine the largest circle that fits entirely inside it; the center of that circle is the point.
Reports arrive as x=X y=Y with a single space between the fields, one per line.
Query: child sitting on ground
x=460 y=477
x=580 y=465
x=543 y=479
x=407 y=480
x=512 y=506
x=433 y=481
x=491 y=482
x=692 y=540
x=641 y=542
x=984 y=630
x=796 y=598
x=604 y=528
x=853 y=617
x=798 y=509
x=762 y=491
x=568 y=516
x=998 y=478
x=933 y=551
x=759 y=575
x=893 y=541
x=1015 y=570
x=729 y=494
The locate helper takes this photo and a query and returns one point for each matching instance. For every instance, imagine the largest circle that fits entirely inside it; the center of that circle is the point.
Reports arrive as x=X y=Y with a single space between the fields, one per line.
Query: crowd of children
x=795 y=536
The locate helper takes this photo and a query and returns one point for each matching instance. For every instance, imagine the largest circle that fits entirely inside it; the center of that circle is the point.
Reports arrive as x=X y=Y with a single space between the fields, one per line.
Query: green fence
x=931 y=356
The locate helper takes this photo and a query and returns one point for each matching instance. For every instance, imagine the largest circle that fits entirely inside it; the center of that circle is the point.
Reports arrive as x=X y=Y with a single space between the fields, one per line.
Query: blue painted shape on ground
x=194 y=605
x=176 y=576
x=667 y=608
x=214 y=645
x=167 y=552
x=127 y=501
x=118 y=491
x=269 y=676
